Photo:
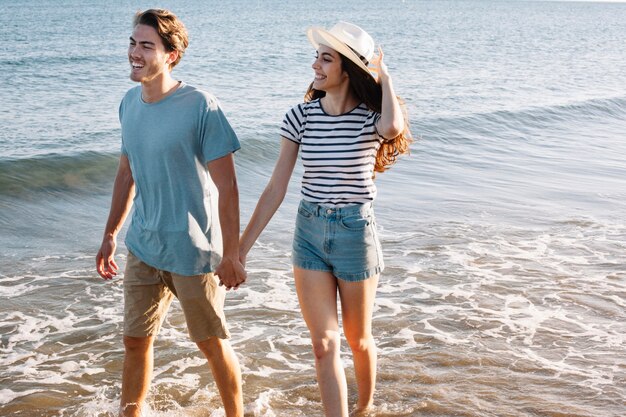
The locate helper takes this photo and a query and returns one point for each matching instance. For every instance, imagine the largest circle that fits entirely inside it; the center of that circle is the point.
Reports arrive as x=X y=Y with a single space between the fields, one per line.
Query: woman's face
x=328 y=72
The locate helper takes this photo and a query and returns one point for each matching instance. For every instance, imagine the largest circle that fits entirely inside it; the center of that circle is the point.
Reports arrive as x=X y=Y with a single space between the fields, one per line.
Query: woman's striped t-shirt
x=338 y=152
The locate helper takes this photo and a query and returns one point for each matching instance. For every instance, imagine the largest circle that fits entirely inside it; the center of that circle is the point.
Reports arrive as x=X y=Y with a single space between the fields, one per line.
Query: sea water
x=504 y=231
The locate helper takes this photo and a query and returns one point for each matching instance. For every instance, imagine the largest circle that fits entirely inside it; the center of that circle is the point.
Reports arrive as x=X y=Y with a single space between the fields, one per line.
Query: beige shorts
x=148 y=293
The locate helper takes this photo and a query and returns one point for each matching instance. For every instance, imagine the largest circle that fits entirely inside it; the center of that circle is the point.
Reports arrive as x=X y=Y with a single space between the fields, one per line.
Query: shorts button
x=329 y=211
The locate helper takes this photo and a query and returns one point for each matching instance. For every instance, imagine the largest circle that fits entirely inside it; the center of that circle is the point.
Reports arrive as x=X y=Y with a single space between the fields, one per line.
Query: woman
x=350 y=125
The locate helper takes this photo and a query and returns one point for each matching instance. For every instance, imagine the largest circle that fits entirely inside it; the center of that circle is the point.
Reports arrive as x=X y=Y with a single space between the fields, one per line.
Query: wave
x=86 y=171
x=55 y=172
x=612 y=108
x=28 y=62
x=532 y=118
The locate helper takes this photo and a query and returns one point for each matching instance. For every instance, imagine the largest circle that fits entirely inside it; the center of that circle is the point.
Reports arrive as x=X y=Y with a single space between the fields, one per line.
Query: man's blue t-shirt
x=175 y=223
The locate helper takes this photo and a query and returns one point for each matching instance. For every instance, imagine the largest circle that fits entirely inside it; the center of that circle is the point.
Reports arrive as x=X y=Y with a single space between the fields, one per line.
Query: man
x=176 y=143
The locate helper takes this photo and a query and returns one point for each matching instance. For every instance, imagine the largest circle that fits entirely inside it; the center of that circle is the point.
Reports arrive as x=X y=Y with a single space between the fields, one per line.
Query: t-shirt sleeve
x=293 y=124
x=120 y=115
x=217 y=137
x=375 y=118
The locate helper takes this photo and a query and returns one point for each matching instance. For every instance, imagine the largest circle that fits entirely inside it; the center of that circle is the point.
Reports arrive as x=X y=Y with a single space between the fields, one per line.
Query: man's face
x=147 y=55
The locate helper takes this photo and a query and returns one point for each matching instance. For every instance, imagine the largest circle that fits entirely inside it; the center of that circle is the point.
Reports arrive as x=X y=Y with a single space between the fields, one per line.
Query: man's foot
x=130 y=410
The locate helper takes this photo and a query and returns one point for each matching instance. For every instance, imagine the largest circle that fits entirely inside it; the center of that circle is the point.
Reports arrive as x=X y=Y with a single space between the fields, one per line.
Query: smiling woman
x=347 y=118
x=328 y=69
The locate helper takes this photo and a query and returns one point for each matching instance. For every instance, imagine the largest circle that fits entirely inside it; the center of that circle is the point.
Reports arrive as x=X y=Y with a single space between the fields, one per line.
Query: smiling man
x=176 y=147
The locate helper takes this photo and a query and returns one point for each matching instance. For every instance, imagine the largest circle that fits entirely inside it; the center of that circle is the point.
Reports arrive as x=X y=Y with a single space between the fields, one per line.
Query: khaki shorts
x=148 y=293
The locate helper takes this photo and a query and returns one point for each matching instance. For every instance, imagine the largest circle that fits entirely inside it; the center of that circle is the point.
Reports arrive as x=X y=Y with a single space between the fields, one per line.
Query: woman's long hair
x=368 y=91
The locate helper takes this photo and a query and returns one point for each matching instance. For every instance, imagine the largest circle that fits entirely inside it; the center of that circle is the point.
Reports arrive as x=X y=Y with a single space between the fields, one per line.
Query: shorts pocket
x=304 y=212
x=356 y=222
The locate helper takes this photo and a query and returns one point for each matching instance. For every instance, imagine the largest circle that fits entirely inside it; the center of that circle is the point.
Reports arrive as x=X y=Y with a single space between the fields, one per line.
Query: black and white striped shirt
x=338 y=152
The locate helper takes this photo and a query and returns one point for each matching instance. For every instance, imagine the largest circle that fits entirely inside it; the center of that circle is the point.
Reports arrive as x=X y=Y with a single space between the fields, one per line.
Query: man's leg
x=202 y=300
x=137 y=373
x=226 y=372
x=146 y=301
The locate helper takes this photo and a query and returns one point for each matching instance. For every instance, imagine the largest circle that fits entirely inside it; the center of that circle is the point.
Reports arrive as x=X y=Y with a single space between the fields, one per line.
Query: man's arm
x=121 y=202
x=230 y=271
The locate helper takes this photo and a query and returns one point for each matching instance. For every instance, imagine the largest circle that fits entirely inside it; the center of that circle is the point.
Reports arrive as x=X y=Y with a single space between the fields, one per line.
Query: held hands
x=105 y=263
x=231 y=273
x=379 y=68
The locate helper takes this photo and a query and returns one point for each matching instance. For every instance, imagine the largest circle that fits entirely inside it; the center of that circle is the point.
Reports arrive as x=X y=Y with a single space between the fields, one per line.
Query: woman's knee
x=360 y=342
x=325 y=345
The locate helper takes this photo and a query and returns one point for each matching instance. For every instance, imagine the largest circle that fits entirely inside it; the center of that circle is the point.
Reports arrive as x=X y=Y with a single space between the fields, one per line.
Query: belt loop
x=316 y=209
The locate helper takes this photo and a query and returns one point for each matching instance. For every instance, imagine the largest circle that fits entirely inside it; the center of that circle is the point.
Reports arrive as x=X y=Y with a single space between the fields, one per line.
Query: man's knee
x=326 y=344
x=213 y=347
x=137 y=344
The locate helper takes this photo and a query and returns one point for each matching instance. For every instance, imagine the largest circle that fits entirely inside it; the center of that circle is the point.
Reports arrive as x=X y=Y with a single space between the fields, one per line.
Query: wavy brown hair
x=169 y=27
x=368 y=91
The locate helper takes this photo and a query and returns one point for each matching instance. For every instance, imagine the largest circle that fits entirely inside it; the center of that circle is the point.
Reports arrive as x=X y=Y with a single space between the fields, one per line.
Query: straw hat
x=349 y=40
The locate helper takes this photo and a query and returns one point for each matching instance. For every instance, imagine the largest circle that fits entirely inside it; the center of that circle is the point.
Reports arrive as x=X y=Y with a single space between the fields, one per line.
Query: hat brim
x=319 y=36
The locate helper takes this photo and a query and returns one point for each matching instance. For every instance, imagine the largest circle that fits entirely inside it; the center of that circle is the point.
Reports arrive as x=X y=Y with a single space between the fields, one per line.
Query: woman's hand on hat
x=379 y=67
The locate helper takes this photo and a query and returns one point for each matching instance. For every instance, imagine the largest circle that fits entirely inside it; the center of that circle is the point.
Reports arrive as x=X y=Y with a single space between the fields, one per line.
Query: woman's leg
x=317 y=294
x=357 y=304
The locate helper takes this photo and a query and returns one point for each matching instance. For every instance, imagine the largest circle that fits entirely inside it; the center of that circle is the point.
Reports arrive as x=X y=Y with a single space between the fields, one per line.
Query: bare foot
x=364 y=412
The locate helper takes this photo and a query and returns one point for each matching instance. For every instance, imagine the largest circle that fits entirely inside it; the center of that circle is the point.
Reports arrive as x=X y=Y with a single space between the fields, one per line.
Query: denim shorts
x=340 y=240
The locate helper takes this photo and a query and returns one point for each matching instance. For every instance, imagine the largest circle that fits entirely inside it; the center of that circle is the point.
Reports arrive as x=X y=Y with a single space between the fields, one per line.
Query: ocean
x=504 y=230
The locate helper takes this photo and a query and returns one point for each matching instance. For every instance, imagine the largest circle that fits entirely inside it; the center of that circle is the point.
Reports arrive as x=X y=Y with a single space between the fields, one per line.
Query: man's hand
x=231 y=273
x=105 y=263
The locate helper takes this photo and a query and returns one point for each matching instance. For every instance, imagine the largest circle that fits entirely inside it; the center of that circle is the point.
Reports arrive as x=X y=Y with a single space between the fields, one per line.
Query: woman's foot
x=369 y=411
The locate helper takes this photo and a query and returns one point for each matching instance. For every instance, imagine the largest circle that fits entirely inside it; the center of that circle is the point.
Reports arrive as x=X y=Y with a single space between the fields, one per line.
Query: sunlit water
x=503 y=232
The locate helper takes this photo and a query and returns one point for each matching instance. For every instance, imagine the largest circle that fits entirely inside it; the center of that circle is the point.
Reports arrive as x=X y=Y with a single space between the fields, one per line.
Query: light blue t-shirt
x=175 y=223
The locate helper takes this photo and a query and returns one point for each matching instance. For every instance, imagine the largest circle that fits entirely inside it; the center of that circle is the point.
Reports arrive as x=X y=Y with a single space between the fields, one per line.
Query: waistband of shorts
x=319 y=210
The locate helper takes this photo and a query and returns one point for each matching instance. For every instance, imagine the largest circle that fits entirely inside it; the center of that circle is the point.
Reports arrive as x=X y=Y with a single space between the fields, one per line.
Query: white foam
x=441 y=335
x=47 y=258
x=293 y=363
x=189 y=380
x=261 y=406
x=279 y=294
x=263 y=371
x=69 y=366
x=178 y=369
x=7 y=395
x=407 y=337
x=392 y=308
x=18 y=290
